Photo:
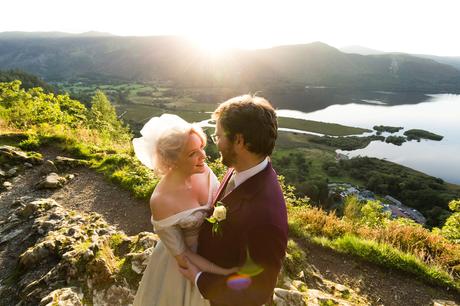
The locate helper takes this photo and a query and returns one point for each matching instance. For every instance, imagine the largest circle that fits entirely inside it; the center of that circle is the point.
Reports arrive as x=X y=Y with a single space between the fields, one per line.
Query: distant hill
x=22 y=35
x=170 y=58
x=360 y=50
x=453 y=61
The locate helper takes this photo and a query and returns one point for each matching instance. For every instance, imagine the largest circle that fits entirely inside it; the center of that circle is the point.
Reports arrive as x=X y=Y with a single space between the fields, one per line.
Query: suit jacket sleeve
x=267 y=246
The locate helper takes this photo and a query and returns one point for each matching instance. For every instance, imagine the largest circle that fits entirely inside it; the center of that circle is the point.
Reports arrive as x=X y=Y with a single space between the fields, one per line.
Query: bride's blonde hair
x=163 y=139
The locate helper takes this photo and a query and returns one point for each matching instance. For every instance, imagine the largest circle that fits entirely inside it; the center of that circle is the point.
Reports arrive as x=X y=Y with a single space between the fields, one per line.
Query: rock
x=439 y=302
x=2 y=173
x=16 y=179
x=101 y=270
x=7 y=185
x=52 y=181
x=63 y=297
x=115 y=295
x=283 y=297
x=65 y=163
x=35 y=206
x=4 y=238
x=298 y=285
x=139 y=261
x=21 y=202
x=28 y=165
x=147 y=240
x=341 y=290
x=48 y=167
x=16 y=155
x=33 y=256
x=12 y=172
x=317 y=297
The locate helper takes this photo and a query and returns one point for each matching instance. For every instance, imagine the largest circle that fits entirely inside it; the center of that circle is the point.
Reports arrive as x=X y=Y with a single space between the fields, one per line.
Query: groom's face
x=225 y=147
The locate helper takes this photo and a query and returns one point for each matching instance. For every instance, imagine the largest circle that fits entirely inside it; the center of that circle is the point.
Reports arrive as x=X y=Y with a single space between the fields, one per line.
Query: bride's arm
x=202 y=263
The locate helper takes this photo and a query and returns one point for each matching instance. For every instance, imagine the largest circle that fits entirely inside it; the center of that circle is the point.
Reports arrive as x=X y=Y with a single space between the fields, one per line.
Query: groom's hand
x=190 y=272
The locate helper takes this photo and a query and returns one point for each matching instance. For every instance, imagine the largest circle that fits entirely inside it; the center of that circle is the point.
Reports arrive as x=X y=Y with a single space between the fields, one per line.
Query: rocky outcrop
x=73 y=257
x=16 y=155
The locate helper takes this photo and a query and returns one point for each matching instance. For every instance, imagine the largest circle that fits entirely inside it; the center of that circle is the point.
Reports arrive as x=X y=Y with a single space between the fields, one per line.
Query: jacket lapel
x=245 y=191
x=222 y=186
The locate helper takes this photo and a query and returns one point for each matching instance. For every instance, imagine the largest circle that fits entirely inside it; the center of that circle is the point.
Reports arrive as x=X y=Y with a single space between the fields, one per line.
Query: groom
x=255 y=227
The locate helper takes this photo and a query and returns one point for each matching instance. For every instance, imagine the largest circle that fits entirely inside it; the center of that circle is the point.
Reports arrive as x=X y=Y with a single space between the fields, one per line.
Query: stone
x=48 y=167
x=147 y=239
x=12 y=172
x=114 y=295
x=139 y=261
x=52 y=181
x=7 y=185
x=36 y=205
x=28 y=165
x=101 y=270
x=4 y=238
x=2 y=173
x=283 y=297
x=16 y=179
x=317 y=297
x=33 y=255
x=65 y=163
x=14 y=154
x=439 y=302
x=63 y=297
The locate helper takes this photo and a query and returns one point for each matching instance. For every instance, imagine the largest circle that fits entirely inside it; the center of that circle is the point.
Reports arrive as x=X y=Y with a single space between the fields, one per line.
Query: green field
x=332 y=129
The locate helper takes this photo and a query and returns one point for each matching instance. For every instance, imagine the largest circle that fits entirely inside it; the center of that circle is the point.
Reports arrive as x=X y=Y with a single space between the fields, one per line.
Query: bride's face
x=192 y=158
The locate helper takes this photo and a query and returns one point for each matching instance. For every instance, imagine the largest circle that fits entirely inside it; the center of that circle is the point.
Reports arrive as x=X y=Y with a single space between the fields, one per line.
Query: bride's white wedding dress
x=162 y=284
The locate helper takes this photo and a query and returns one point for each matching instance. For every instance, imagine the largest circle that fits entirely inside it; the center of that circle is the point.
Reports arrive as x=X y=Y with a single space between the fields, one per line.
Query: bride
x=179 y=204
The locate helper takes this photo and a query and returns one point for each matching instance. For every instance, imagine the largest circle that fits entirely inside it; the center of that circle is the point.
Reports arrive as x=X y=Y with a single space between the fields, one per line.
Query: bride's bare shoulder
x=162 y=205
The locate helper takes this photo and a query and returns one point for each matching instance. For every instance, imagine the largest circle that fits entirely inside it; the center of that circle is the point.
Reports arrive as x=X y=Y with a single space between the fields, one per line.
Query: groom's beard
x=228 y=156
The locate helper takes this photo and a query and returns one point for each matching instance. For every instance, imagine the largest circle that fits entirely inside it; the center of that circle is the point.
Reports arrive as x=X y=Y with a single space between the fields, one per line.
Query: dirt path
x=88 y=191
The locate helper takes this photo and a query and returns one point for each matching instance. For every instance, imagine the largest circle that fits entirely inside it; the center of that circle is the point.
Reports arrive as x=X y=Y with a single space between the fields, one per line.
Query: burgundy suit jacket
x=256 y=222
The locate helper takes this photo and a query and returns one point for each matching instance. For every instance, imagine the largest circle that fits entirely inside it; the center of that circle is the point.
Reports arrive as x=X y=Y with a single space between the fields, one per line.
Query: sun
x=212 y=44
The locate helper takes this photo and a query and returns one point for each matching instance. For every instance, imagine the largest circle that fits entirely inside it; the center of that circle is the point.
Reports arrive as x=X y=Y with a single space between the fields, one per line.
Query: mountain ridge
x=172 y=58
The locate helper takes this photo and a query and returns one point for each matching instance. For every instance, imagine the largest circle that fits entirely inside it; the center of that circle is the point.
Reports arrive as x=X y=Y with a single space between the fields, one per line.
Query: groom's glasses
x=215 y=138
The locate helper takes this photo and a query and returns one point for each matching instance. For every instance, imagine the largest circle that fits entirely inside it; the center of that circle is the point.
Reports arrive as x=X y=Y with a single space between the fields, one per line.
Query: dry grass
x=430 y=248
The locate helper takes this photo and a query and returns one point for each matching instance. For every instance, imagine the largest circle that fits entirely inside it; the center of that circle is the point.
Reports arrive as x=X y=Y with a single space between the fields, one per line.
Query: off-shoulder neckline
x=168 y=221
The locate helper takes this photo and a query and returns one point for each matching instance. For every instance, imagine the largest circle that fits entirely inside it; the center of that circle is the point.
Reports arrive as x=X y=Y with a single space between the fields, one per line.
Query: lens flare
x=239 y=281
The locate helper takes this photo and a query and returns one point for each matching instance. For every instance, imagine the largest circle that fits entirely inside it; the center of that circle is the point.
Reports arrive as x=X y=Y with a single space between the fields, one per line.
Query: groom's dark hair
x=254 y=118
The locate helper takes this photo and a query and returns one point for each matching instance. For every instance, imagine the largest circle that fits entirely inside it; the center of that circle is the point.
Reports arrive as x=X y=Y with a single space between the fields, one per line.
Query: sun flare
x=212 y=44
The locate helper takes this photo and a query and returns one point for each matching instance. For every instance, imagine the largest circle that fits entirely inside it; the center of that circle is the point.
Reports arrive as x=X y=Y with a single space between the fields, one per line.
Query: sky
x=419 y=27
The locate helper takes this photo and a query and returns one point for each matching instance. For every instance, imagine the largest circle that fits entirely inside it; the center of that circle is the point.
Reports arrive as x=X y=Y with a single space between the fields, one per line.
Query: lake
x=438 y=113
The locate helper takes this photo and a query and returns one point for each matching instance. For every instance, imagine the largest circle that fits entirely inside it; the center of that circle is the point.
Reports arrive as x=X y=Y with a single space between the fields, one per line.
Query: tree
x=451 y=229
x=373 y=215
x=352 y=209
x=104 y=118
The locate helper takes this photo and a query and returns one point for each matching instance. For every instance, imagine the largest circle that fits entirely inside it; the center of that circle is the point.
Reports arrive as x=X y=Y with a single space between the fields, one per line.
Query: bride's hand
x=233 y=270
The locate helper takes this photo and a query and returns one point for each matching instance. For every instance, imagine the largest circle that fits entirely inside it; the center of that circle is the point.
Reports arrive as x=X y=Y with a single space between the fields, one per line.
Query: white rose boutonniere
x=219 y=215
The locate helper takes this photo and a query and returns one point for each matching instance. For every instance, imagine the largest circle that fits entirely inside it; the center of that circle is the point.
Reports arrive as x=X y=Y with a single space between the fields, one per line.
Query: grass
x=295 y=260
x=410 y=249
x=332 y=129
x=387 y=256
